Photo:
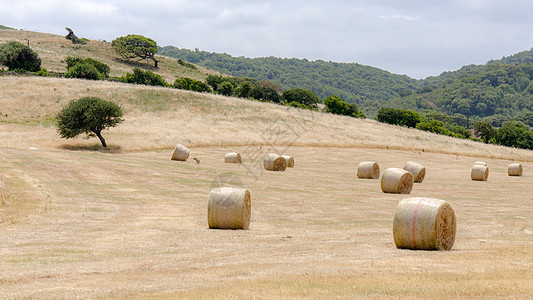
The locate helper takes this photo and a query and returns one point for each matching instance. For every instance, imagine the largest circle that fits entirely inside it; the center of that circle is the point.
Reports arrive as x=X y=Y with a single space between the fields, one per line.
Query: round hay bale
x=515 y=170
x=481 y=163
x=290 y=161
x=233 y=158
x=229 y=208
x=396 y=181
x=368 y=170
x=479 y=173
x=418 y=170
x=180 y=153
x=424 y=224
x=274 y=162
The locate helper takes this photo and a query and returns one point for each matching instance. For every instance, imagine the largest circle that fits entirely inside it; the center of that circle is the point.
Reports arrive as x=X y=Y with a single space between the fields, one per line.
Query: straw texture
x=515 y=170
x=229 y=208
x=479 y=173
x=180 y=153
x=424 y=224
x=274 y=162
x=290 y=161
x=368 y=170
x=481 y=163
x=396 y=181
x=233 y=158
x=418 y=171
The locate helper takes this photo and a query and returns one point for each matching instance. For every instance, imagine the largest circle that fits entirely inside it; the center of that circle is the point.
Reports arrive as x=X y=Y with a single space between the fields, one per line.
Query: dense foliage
x=302 y=96
x=338 y=106
x=87 y=68
x=499 y=91
x=144 y=77
x=18 y=57
x=190 y=84
x=398 y=117
x=365 y=86
x=133 y=45
x=88 y=115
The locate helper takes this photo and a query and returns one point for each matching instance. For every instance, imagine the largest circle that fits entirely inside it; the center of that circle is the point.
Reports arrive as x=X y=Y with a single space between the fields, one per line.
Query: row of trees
x=510 y=134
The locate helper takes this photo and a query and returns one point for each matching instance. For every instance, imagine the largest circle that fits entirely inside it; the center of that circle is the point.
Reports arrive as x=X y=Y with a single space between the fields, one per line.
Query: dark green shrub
x=225 y=88
x=515 y=134
x=190 y=84
x=84 y=70
x=17 y=56
x=144 y=77
x=338 y=106
x=398 y=117
x=305 y=97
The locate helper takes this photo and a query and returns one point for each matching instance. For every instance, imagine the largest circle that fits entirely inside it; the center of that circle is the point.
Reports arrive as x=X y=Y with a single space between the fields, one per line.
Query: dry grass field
x=77 y=221
x=127 y=222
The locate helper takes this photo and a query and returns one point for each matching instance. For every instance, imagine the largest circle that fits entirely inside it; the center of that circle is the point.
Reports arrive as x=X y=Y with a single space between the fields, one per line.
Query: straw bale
x=418 y=170
x=479 y=173
x=229 y=208
x=368 y=170
x=397 y=181
x=290 y=161
x=515 y=170
x=274 y=162
x=180 y=153
x=233 y=158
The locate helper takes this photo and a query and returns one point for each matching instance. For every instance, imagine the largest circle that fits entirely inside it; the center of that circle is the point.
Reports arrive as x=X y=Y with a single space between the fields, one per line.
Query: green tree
x=16 y=56
x=84 y=70
x=88 y=115
x=398 y=117
x=226 y=88
x=190 y=84
x=338 y=106
x=515 y=134
x=305 y=97
x=484 y=131
x=74 y=39
x=133 y=45
x=144 y=77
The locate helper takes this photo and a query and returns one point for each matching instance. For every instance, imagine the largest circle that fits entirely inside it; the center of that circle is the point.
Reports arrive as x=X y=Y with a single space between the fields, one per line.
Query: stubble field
x=130 y=223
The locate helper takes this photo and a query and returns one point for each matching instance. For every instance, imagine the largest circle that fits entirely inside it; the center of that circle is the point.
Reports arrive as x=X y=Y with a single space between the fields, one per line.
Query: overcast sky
x=418 y=38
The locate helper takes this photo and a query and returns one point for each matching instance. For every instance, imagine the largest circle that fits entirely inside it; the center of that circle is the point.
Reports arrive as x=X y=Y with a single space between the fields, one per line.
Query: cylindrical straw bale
x=479 y=173
x=229 y=208
x=418 y=170
x=274 y=162
x=368 y=170
x=424 y=224
x=290 y=161
x=233 y=158
x=481 y=163
x=515 y=170
x=180 y=153
x=396 y=181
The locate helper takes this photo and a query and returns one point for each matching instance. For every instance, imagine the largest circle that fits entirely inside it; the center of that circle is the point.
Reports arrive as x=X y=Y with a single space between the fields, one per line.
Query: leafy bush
x=87 y=68
x=88 y=115
x=16 y=56
x=144 y=77
x=515 y=134
x=398 y=117
x=190 y=84
x=84 y=70
x=305 y=97
x=300 y=105
x=265 y=93
x=338 y=106
x=225 y=88
x=484 y=131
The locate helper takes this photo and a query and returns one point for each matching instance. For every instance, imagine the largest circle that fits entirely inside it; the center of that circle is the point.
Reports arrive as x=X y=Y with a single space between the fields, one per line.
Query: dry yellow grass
x=53 y=49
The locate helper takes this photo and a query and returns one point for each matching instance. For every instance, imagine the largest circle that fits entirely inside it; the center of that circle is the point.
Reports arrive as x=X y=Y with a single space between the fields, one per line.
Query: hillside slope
x=54 y=49
x=366 y=86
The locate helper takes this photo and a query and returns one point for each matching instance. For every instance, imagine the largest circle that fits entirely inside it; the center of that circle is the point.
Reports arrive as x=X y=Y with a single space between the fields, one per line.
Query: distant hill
x=5 y=27
x=366 y=86
x=499 y=91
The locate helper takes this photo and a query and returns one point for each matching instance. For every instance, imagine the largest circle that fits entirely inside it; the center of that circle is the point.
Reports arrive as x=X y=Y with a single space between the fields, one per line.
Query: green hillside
x=499 y=91
x=366 y=86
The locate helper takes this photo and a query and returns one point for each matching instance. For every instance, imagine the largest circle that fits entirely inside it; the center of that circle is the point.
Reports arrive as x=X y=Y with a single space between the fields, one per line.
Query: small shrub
x=144 y=77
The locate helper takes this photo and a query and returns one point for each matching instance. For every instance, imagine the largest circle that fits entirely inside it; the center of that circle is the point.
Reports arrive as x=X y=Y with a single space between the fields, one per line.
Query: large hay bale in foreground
x=368 y=170
x=290 y=161
x=424 y=224
x=481 y=163
x=514 y=170
x=229 y=208
x=418 y=170
x=396 y=181
x=274 y=162
x=233 y=158
x=479 y=173
x=180 y=153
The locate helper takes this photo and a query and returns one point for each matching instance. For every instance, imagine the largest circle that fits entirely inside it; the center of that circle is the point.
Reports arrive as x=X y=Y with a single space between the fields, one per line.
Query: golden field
x=82 y=222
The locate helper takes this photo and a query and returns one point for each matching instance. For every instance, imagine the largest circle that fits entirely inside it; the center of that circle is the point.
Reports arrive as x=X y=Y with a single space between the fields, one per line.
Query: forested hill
x=368 y=87
x=499 y=91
